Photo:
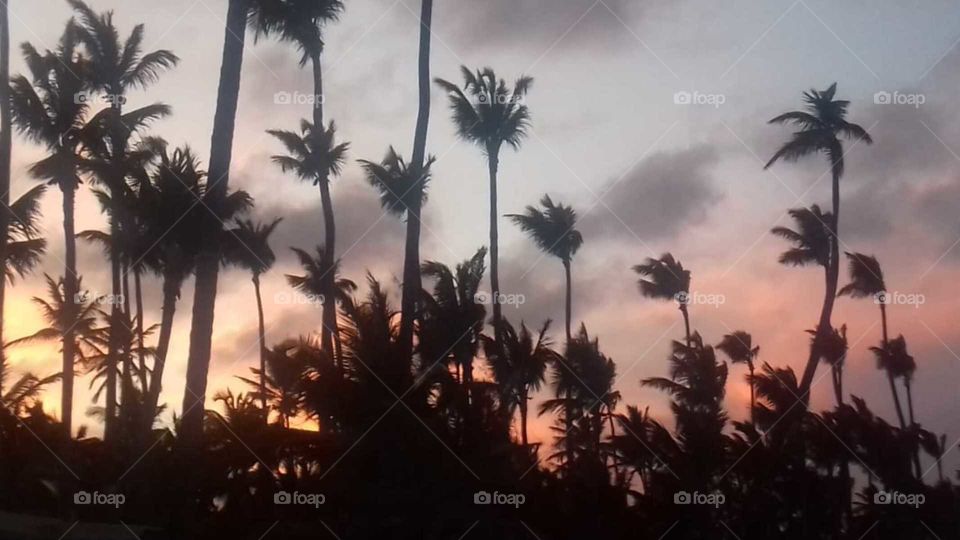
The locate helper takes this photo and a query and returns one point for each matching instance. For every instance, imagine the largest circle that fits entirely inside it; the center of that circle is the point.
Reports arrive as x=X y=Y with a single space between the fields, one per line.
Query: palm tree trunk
x=141 y=356
x=906 y=383
x=569 y=307
x=493 y=164
x=412 y=282
x=523 y=420
x=753 y=399
x=208 y=261
x=171 y=290
x=686 y=322
x=329 y=297
x=893 y=386
x=126 y=399
x=6 y=144
x=830 y=293
x=263 y=347
x=70 y=297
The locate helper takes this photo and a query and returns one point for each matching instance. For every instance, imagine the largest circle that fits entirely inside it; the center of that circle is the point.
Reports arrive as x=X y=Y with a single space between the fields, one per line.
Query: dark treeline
x=413 y=419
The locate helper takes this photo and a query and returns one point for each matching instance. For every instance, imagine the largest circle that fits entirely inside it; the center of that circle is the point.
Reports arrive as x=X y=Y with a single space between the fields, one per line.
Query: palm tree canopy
x=396 y=181
x=453 y=314
x=832 y=346
x=895 y=359
x=552 y=228
x=738 y=345
x=486 y=111
x=316 y=268
x=312 y=154
x=248 y=245
x=24 y=249
x=295 y=21
x=866 y=277
x=521 y=368
x=820 y=126
x=666 y=278
x=54 y=311
x=811 y=240
x=582 y=378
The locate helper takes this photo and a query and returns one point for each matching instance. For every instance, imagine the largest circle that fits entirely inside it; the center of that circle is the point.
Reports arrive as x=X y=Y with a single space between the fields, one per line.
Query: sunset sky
x=647 y=175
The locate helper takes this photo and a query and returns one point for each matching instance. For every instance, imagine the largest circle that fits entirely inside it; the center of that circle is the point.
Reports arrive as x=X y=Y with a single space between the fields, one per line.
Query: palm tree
x=46 y=110
x=315 y=284
x=738 y=345
x=313 y=155
x=280 y=384
x=490 y=115
x=403 y=192
x=115 y=68
x=249 y=248
x=821 y=126
x=666 y=280
x=893 y=359
x=6 y=146
x=552 y=229
x=208 y=261
x=521 y=367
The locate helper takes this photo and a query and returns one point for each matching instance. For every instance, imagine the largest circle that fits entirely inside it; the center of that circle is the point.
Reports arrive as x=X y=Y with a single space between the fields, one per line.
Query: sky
x=613 y=135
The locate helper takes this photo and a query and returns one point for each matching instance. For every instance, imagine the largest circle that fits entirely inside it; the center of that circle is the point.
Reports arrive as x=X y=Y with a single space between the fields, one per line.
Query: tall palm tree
x=315 y=283
x=738 y=345
x=6 y=147
x=314 y=156
x=249 y=248
x=115 y=68
x=489 y=114
x=666 y=279
x=20 y=249
x=45 y=109
x=403 y=192
x=520 y=369
x=208 y=261
x=552 y=229
x=821 y=126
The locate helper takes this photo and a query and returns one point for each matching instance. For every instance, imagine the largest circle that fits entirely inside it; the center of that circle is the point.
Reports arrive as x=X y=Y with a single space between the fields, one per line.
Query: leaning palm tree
x=249 y=248
x=315 y=283
x=893 y=359
x=403 y=192
x=519 y=367
x=553 y=230
x=20 y=249
x=821 y=126
x=489 y=114
x=115 y=68
x=666 y=279
x=45 y=109
x=314 y=156
x=208 y=261
x=738 y=345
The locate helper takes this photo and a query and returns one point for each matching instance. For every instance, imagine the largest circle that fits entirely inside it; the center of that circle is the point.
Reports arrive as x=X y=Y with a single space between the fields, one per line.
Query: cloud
x=664 y=194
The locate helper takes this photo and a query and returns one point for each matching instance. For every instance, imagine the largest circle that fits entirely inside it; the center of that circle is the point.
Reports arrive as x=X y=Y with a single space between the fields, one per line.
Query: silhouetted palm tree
x=249 y=247
x=738 y=345
x=280 y=384
x=403 y=191
x=667 y=280
x=821 y=126
x=315 y=283
x=6 y=148
x=519 y=367
x=553 y=230
x=314 y=156
x=487 y=113
x=208 y=260
x=47 y=111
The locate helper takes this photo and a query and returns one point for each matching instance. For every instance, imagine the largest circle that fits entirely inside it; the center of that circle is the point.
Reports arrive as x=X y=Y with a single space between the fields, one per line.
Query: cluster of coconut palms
x=400 y=416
